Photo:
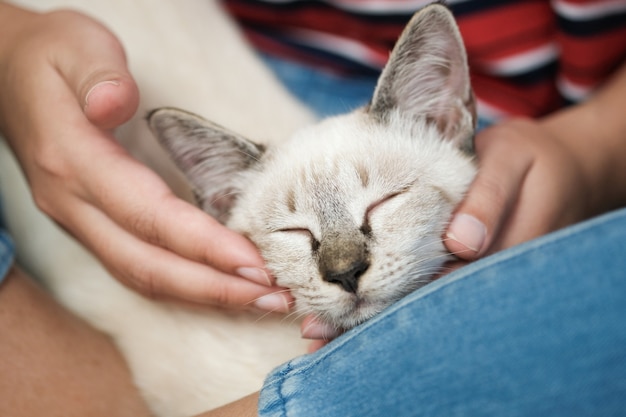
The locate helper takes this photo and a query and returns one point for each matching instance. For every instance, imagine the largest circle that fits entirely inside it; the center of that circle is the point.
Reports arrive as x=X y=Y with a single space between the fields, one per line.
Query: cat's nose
x=348 y=279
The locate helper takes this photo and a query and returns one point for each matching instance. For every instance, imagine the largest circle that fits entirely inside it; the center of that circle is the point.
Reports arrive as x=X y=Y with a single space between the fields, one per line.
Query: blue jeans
x=7 y=248
x=325 y=93
x=7 y=254
x=536 y=330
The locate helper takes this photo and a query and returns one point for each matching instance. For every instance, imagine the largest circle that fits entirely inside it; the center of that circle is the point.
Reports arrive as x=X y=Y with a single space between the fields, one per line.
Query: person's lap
x=535 y=330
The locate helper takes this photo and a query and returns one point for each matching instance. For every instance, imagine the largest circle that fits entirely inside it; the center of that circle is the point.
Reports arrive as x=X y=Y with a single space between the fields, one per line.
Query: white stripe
x=523 y=62
x=572 y=91
x=340 y=46
x=372 y=6
x=380 y=6
x=590 y=11
x=489 y=112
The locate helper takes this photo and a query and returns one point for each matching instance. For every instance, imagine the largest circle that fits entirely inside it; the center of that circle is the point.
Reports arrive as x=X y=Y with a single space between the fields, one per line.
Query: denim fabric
x=7 y=248
x=325 y=93
x=7 y=254
x=537 y=330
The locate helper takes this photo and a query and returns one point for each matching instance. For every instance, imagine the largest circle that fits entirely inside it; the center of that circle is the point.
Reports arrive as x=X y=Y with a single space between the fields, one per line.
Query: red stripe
x=280 y=49
x=588 y=61
x=532 y=101
x=378 y=35
x=507 y=31
x=585 y=2
x=501 y=32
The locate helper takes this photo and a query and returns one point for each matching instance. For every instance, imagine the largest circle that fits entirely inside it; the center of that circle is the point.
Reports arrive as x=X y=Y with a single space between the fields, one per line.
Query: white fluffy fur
x=406 y=248
x=186 y=361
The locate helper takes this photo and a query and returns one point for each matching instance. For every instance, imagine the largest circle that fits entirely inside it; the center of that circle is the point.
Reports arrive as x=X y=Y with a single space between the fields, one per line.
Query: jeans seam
x=281 y=393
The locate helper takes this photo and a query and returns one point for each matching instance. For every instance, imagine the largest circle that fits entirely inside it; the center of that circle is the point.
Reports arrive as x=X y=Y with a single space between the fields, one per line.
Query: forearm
x=596 y=132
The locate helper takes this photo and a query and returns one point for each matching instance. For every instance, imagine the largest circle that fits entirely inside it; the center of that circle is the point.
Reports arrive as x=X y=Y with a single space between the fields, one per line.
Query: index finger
x=138 y=200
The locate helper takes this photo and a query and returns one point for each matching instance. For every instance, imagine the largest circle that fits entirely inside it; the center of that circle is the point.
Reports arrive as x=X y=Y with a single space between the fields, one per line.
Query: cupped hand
x=65 y=85
x=528 y=183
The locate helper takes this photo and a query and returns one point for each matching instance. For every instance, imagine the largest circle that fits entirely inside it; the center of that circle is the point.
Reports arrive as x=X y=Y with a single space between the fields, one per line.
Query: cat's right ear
x=427 y=77
x=211 y=157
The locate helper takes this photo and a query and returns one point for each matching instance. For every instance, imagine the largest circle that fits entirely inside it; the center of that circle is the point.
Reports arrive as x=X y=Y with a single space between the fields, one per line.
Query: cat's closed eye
x=315 y=244
x=380 y=202
x=366 y=229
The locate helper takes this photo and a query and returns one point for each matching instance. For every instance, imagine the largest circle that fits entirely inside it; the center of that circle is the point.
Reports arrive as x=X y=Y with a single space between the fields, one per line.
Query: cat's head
x=349 y=213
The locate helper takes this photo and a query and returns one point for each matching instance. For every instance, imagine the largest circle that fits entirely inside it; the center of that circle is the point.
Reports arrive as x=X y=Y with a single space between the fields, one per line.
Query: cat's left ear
x=427 y=77
x=211 y=157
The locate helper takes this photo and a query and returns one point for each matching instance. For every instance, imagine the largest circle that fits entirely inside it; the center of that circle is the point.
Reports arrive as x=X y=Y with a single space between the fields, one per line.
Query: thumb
x=100 y=78
x=111 y=101
x=491 y=198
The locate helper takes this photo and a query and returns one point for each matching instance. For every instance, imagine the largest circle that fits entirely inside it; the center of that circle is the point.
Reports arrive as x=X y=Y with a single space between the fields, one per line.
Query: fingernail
x=274 y=302
x=468 y=231
x=257 y=275
x=96 y=86
x=318 y=330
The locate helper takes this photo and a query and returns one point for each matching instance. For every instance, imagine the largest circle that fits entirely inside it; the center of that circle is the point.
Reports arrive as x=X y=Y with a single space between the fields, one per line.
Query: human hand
x=536 y=176
x=528 y=183
x=65 y=85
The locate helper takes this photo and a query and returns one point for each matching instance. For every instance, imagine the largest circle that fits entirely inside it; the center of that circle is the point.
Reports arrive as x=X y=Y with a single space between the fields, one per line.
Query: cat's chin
x=352 y=310
x=348 y=315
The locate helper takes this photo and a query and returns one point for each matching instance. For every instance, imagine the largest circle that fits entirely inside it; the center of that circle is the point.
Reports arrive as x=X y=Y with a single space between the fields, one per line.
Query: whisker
x=216 y=199
x=249 y=155
x=297 y=315
x=459 y=251
x=264 y=315
x=265 y=295
x=427 y=244
x=325 y=335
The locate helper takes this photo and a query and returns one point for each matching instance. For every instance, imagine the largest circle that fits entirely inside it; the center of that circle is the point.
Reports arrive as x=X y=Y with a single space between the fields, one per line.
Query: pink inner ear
x=219 y=204
x=458 y=122
x=428 y=77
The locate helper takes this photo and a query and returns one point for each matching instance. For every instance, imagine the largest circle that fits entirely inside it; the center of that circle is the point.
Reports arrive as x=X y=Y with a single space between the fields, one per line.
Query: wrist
x=595 y=133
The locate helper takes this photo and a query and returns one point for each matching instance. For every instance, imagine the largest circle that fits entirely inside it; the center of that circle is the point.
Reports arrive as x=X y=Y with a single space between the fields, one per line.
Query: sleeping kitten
x=348 y=213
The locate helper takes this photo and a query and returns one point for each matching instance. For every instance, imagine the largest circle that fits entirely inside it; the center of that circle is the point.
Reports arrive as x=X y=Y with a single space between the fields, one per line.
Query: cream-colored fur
x=374 y=188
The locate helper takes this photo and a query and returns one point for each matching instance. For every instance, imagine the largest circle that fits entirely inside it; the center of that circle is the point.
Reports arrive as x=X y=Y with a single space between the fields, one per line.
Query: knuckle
x=220 y=295
x=143 y=279
x=144 y=221
x=42 y=202
x=46 y=199
x=49 y=161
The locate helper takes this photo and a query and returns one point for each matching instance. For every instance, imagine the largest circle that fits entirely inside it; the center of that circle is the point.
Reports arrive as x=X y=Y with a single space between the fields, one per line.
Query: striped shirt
x=526 y=57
